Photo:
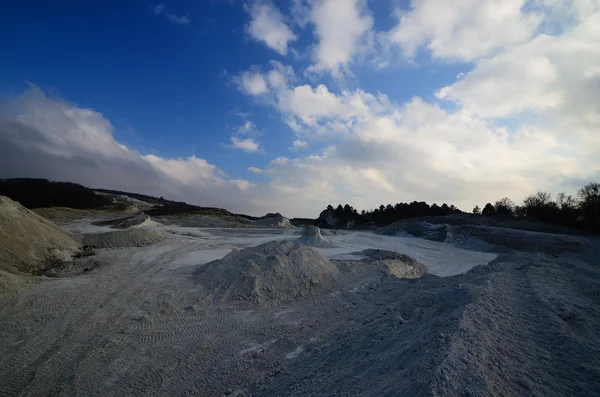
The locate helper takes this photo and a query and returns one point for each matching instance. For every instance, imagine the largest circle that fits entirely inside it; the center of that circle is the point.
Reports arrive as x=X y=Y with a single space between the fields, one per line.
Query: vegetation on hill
x=581 y=211
x=346 y=216
x=39 y=193
x=302 y=221
x=143 y=197
x=175 y=208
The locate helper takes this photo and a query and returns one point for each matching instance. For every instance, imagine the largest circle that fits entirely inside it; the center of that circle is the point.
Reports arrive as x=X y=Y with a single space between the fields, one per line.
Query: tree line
x=580 y=211
x=387 y=214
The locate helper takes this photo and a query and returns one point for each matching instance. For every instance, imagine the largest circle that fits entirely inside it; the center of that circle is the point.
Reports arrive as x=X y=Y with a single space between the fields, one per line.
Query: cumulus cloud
x=248 y=145
x=48 y=137
x=299 y=144
x=549 y=73
x=340 y=27
x=462 y=29
x=248 y=128
x=526 y=117
x=252 y=83
x=161 y=9
x=382 y=152
x=245 y=138
x=310 y=104
x=267 y=26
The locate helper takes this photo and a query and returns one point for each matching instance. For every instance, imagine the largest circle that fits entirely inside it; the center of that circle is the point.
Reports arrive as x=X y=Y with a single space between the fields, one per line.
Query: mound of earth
x=129 y=238
x=28 y=242
x=311 y=236
x=394 y=263
x=124 y=223
x=524 y=325
x=276 y=271
x=274 y=220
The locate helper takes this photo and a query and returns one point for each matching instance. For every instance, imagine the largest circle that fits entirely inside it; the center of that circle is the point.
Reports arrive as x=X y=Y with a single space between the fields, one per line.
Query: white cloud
x=462 y=29
x=380 y=152
x=248 y=145
x=339 y=25
x=310 y=104
x=188 y=171
x=558 y=74
x=299 y=144
x=376 y=151
x=174 y=18
x=252 y=83
x=245 y=138
x=280 y=75
x=248 y=128
x=50 y=138
x=267 y=25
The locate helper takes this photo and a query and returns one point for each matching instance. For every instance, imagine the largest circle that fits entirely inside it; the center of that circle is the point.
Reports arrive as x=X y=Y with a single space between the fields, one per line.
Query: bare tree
x=505 y=206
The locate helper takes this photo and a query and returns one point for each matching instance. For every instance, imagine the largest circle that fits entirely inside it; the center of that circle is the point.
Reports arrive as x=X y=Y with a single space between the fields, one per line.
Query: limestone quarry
x=101 y=303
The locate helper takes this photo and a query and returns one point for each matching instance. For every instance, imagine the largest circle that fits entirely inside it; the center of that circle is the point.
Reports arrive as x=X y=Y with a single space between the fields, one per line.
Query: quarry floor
x=478 y=323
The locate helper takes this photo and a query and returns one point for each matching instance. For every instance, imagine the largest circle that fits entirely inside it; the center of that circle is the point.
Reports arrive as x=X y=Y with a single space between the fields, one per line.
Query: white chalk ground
x=441 y=259
x=136 y=326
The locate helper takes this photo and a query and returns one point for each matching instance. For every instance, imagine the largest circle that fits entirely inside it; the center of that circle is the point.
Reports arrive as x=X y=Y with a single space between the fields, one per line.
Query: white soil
x=277 y=271
x=519 y=324
x=134 y=237
x=311 y=236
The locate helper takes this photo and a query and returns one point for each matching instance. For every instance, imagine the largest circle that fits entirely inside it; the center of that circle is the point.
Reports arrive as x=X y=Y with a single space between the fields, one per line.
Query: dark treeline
x=581 y=211
x=387 y=214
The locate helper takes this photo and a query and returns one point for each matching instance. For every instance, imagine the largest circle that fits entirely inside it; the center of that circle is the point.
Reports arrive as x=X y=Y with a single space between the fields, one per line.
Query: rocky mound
x=276 y=271
x=122 y=239
x=394 y=263
x=28 y=242
x=327 y=219
x=311 y=236
x=274 y=220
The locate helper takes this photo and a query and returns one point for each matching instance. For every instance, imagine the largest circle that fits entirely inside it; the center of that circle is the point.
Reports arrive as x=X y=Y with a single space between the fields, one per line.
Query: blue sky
x=374 y=102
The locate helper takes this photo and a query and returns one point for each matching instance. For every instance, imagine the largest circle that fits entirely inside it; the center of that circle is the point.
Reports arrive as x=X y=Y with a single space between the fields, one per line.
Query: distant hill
x=143 y=197
x=38 y=193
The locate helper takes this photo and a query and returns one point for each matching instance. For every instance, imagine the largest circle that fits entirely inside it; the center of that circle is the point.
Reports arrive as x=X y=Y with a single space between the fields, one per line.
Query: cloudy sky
x=288 y=106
